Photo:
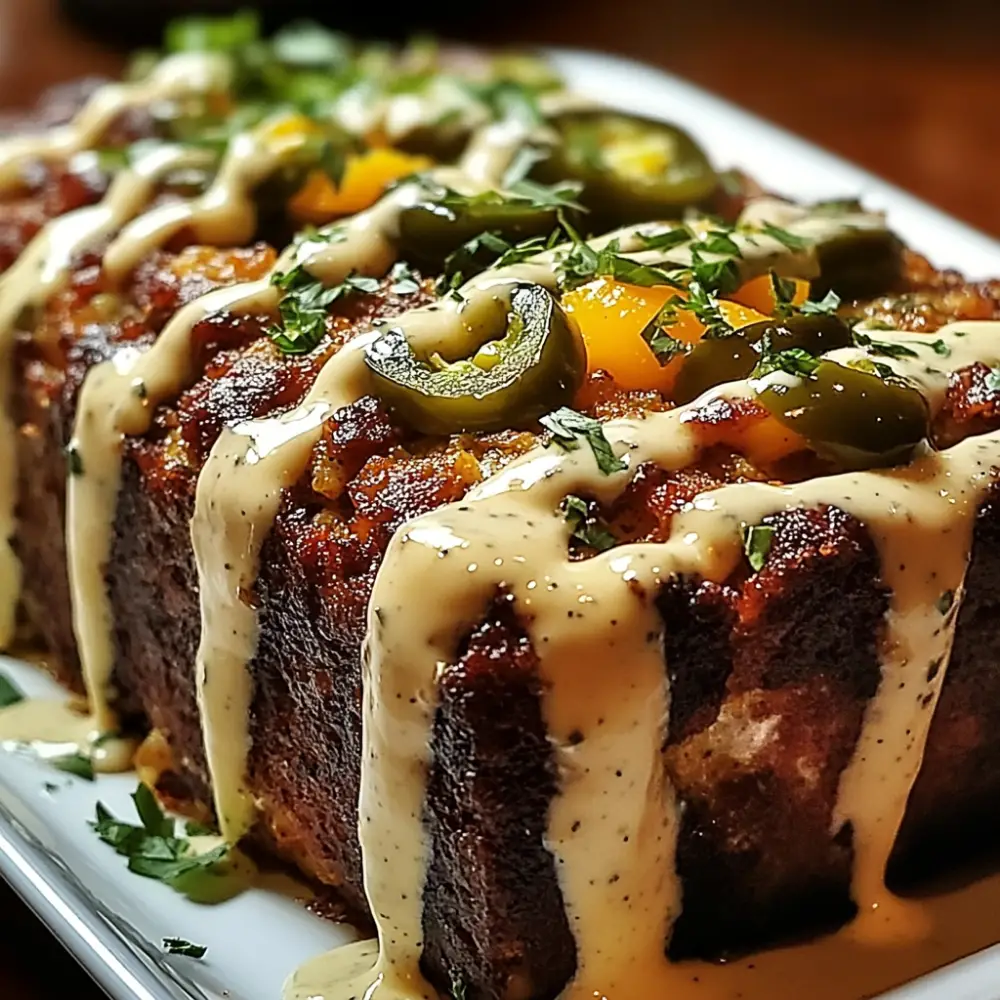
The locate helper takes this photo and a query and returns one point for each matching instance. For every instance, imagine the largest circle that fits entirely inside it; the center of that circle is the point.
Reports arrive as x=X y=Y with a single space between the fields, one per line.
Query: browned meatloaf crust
x=796 y=640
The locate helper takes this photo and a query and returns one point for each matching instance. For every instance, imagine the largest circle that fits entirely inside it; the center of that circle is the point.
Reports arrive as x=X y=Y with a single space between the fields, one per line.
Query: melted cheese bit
x=39 y=272
x=176 y=77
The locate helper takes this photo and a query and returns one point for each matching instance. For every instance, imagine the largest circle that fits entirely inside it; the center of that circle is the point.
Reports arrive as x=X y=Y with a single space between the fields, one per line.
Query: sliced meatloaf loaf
x=793 y=645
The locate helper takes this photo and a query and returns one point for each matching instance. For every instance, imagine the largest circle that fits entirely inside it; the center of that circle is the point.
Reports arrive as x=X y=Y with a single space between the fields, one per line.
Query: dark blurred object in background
x=141 y=22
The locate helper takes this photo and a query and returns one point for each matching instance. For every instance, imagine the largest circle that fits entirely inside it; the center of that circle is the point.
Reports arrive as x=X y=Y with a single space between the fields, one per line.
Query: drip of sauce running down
x=38 y=273
x=120 y=396
x=179 y=76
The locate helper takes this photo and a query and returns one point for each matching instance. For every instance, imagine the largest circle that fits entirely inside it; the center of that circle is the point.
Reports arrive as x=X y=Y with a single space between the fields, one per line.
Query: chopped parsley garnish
x=993 y=380
x=303 y=309
x=507 y=99
x=569 y=428
x=154 y=850
x=472 y=257
x=794 y=361
x=74 y=461
x=586 y=529
x=705 y=307
x=195 y=829
x=940 y=348
x=718 y=241
x=582 y=263
x=403 y=279
x=561 y=195
x=212 y=34
x=529 y=248
x=719 y=277
x=789 y=240
x=883 y=347
x=178 y=946
x=665 y=241
x=10 y=694
x=884 y=372
x=664 y=346
x=757 y=541
x=76 y=764
x=783 y=292
x=522 y=192
x=490 y=249
x=945 y=601
x=522 y=163
x=826 y=306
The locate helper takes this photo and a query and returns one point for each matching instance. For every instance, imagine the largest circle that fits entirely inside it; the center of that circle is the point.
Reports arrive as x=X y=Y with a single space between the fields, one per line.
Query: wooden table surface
x=908 y=89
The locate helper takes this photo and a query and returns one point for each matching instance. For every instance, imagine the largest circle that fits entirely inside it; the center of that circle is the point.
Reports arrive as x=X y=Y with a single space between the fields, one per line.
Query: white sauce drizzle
x=178 y=76
x=39 y=272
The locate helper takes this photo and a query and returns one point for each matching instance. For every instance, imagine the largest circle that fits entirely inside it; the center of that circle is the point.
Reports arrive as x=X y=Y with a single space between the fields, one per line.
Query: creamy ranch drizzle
x=38 y=273
x=176 y=77
x=121 y=395
x=599 y=640
x=240 y=487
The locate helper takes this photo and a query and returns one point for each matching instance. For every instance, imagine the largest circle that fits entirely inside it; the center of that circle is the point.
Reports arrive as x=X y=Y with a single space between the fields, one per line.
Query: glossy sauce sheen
x=612 y=827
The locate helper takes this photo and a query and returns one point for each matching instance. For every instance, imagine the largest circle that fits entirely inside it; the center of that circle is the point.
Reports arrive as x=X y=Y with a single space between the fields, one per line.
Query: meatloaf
x=770 y=668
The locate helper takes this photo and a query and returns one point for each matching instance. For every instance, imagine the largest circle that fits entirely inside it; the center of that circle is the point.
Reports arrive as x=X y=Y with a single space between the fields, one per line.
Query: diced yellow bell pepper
x=366 y=176
x=612 y=316
x=758 y=293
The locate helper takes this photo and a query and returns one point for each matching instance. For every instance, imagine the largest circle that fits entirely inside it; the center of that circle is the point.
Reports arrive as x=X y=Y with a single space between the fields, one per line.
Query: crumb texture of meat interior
x=574 y=558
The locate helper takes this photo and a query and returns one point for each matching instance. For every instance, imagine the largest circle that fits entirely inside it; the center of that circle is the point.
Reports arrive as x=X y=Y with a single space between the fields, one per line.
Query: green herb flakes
x=582 y=263
x=757 y=541
x=992 y=380
x=403 y=279
x=76 y=764
x=74 y=461
x=303 y=309
x=897 y=351
x=178 y=946
x=569 y=428
x=788 y=240
x=155 y=850
x=10 y=694
x=586 y=529
x=826 y=306
x=793 y=361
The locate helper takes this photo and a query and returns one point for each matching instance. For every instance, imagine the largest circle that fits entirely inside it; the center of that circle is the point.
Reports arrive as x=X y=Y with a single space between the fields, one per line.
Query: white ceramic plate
x=113 y=921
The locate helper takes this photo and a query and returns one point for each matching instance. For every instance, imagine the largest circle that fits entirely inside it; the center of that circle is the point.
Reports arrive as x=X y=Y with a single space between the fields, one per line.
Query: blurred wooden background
x=907 y=88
